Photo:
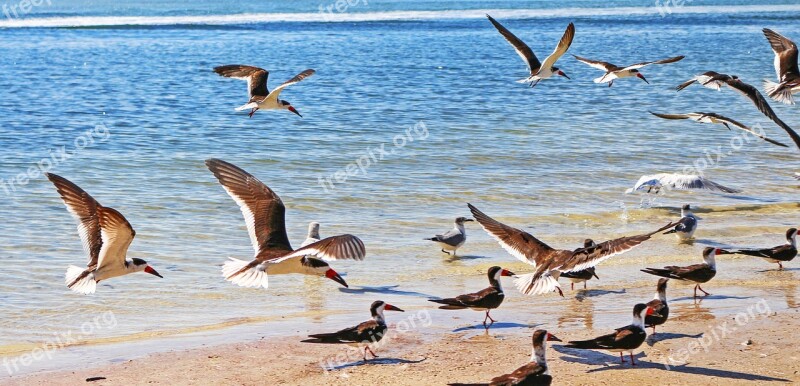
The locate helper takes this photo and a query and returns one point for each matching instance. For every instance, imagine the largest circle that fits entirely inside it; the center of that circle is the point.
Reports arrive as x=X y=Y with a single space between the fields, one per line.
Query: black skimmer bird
x=584 y=275
x=779 y=254
x=363 y=335
x=686 y=226
x=658 y=183
x=538 y=70
x=709 y=79
x=106 y=236
x=313 y=234
x=454 y=238
x=533 y=373
x=484 y=300
x=625 y=339
x=716 y=118
x=613 y=72
x=550 y=263
x=263 y=213
x=659 y=306
x=260 y=97
x=697 y=273
x=785 y=67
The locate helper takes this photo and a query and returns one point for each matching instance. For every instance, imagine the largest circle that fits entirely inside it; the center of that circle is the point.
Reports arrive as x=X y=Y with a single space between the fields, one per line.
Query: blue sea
x=414 y=102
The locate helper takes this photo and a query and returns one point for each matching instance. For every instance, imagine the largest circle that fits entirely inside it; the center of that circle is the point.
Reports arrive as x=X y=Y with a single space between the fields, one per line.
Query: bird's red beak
x=390 y=307
x=640 y=76
x=553 y=338
x=563 y=74
x=292 y=109
x=506 y=272
x=152 y=271
x=331 y=274
x=650 y=311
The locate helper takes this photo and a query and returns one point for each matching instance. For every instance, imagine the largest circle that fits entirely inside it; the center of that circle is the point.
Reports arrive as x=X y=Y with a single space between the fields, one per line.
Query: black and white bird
x=583 y=275
x=663 y=182
x=780 y=254
x=538 y=70
x=454 y=238
x=659 y=306
x=264 y=215
x=716 y=118
x=613 y=72
x=696 y=273
x=709 y=79
x=785 y=67
x=260 y=97
x=313 y=234
x=106 y=236
x=686 y=226
x=485 y=300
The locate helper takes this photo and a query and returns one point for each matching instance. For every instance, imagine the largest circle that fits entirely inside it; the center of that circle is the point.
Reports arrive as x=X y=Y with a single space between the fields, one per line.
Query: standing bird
x=686 y=226
x=779 y=254
x=260 y=96
x=613 y=72
x=106 y=236
x=708 y=79
x=698 y=273
x=313 y=234
x=533 y=373
x=583 y=275
x=263 y=213
x=625 y=339
x=716 y=118
x=785 y=67
x=657 y=183
x=550 y=263
x=484 y=300
x=538 y=70
x=659 y=306
x=454 y=238
x=364 y=335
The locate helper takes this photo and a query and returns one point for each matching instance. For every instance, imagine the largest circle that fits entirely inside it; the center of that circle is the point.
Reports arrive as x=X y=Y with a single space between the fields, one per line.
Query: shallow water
x=553 y=160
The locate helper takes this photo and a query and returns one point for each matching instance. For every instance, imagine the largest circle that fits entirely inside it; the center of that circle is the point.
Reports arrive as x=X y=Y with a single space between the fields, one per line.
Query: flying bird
x=454 y=238
x=364 y=335
x=780 y=254
x=260 y=96
x=264 y=213
x=538 y=70
x=785 y=67
x=484 y=300
x=716 y=118
x=658 y=183
x=709 y=79
x=613 y=72
x=106 y=236
x=550 y=263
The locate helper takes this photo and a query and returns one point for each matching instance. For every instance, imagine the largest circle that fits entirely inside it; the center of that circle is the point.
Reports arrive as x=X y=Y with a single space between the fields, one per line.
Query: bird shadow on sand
x=375 y=361
x=453 y=259
x=387 y=290
x=496 y=325
x=611 y=362
x=662 y=336
x=700 y=299
x=778 y=271
x=590 y=293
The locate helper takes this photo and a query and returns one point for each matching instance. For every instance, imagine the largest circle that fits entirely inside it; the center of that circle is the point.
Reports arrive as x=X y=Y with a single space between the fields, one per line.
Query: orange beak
x=152 y=271
x=331 y=274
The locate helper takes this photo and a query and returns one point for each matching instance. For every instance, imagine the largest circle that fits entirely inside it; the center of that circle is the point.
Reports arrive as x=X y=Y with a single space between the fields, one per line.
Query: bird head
x=557 y=71
x=288 y=106
x=141 y=265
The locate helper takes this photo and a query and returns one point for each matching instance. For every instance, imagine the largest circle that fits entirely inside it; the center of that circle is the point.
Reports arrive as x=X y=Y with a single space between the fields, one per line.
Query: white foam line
x=110 y=21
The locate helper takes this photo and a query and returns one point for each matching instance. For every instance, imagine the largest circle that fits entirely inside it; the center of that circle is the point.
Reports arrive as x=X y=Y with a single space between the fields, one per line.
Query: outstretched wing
x=744 y=127
x=758 y=100
x=520 y=47
x=662 y=61
x=561 y=48
x=262 y=209
x=297 y=79
x=86 y=210
x=342 y=247
x=589 y=257
x=603 y=66
x=519 y=244
x=256 y=77
x=671 y=116
x=117 y=235
x=785 y=54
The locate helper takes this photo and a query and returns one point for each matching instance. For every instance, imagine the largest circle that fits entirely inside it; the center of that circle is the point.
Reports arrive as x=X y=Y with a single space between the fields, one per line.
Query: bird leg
x=572 y=286
x=448 y=253
x=621 y=358
x=633 y=363
x=584 y=285
x=611 y=83
x=489 y=318
x=560 y=292
x=371 y=352
x=253 y=111
x=533 y=84
x=701 y=289
x=654 y=329
x=780 y=266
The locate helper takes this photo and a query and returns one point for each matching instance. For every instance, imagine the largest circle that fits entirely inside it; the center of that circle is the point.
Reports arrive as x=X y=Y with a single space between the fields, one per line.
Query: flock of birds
x=106 y=234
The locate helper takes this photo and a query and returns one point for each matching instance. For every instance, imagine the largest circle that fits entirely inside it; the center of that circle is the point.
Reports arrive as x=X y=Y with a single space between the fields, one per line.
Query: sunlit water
x=138 y=109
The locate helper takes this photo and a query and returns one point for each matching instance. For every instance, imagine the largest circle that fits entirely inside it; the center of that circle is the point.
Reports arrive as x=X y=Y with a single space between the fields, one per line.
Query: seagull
x=785 y=67
x=613 y=72
x=709 y=79
x=550 y=263
x=625 y=339
x=484 y=300
x=698 y=273
x=106 y=236
x=779 y=254
x=656 y=183
x=538 y=70
x=716 y=118
x=454 y=238
x=263 y=212
x=584 y=275
x=260 y=96
x=313 y=234
x=533 y=373
x=659 y=306
x=363 y=335
x=686 y=226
